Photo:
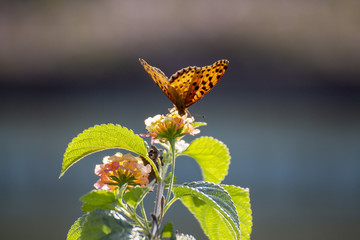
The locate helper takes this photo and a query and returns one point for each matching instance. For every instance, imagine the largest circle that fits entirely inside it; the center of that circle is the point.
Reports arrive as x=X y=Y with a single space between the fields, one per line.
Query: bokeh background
x=288 y=106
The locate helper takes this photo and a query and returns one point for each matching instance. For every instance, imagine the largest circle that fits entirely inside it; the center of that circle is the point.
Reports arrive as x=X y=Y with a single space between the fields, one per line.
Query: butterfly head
x=181 y=110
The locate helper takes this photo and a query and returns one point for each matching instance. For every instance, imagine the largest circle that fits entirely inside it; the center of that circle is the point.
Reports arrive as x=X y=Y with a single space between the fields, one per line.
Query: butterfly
x=188 y=85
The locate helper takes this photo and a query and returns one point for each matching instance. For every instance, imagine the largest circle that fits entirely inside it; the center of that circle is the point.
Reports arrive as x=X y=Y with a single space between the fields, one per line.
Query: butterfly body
x=188 y=85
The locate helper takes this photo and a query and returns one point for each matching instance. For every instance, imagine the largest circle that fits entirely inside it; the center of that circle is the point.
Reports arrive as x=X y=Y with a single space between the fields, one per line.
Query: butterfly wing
x=205 y=79
x=181 y=82
x=161 y=80
x=187 y=85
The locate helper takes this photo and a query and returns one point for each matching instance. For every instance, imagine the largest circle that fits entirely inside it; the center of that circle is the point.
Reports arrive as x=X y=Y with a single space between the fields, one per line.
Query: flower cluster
x=119 y=169
x=170 y=126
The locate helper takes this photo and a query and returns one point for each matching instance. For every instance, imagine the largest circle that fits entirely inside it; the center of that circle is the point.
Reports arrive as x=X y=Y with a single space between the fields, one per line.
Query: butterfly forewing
x=203 y=82
x=160 y=79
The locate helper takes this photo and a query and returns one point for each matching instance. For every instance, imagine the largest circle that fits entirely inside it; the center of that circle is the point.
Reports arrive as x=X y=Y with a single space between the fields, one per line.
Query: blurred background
x=288 y=106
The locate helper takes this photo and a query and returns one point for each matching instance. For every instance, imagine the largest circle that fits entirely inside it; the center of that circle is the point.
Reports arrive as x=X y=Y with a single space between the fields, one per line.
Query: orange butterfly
x=188 y=85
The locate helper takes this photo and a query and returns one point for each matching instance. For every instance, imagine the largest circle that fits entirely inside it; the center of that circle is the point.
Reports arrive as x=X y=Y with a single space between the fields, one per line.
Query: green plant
x=115 y=209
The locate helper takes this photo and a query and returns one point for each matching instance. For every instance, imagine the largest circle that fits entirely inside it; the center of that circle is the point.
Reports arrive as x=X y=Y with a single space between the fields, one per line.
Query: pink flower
x=170 y=126
x=119 y=169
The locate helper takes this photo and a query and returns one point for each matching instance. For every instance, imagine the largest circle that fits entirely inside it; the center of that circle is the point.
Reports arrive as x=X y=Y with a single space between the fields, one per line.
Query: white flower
x=181 y=146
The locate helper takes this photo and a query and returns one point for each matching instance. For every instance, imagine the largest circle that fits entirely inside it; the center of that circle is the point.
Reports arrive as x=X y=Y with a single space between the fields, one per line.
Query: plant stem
x=157 y=211
x=159 y=204
x=172 y=145
x=169 y=204
x=132 y=215
x=160 y=194
x=142 y=208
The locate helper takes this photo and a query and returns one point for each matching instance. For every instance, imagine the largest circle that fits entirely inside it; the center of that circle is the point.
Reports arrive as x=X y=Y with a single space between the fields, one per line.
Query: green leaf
x=135 y=195
x=98 y=199
x=102 y=137
x=241 y=199
x=198 y=124
x=168 y=179
x=212 y=207
x=168 y=232
x=212 y=156
x=75 y=230
x=103 y=224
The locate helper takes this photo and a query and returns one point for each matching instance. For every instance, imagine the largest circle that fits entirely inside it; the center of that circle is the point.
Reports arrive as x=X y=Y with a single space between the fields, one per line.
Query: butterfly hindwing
x=181 y=81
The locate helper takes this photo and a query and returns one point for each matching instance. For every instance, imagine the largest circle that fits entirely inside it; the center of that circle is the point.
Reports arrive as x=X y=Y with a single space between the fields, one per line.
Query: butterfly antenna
x=199 y=116
x=187 y=112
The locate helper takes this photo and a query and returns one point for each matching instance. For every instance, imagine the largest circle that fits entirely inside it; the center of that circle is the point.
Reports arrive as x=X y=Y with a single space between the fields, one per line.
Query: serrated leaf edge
x=245 y=209
x=218 y=142
x=78 y=139
x=237 y=225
